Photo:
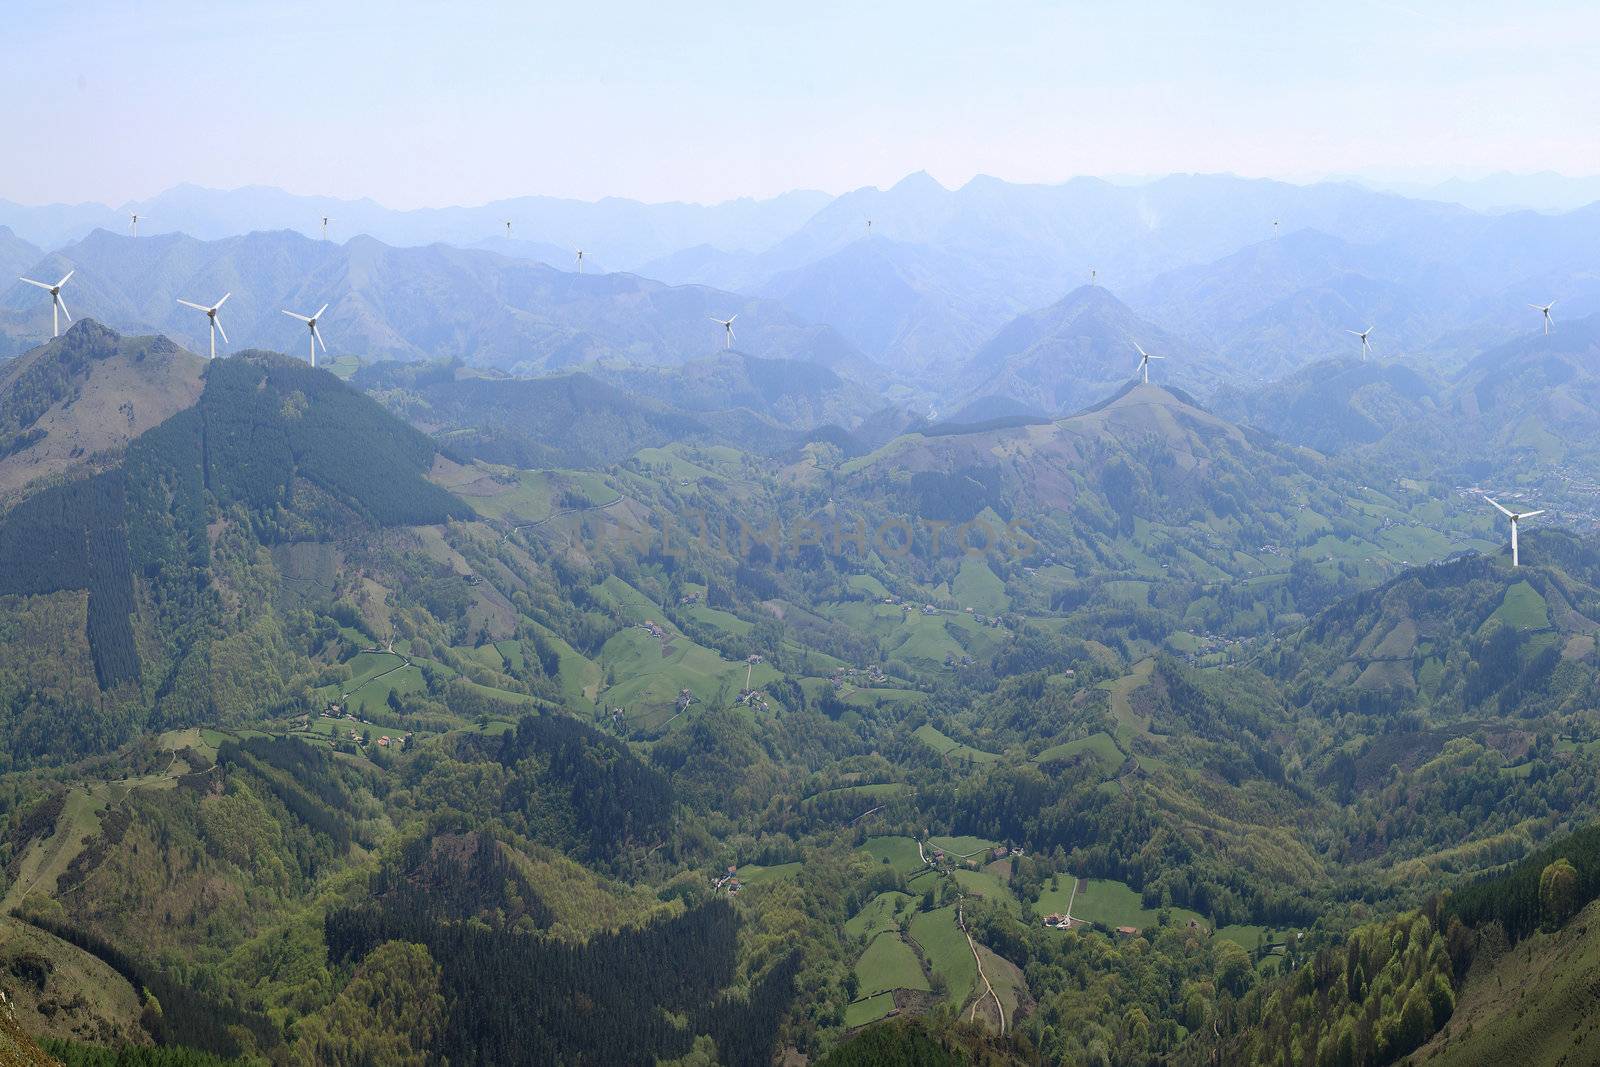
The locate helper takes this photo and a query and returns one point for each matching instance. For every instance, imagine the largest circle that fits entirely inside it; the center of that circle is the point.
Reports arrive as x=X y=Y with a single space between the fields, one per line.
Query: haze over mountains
x=1245 y=281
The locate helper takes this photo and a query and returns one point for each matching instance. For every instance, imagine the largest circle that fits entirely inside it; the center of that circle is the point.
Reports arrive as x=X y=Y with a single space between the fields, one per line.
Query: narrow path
x=1075 y=883
x=559 y=515
x=998 y=1007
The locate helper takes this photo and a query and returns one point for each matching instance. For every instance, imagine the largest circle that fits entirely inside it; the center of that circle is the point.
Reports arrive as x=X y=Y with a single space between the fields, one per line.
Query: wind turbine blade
x=1137 y=349
x=63 y=305
x=295 y=315
x=197 y=307
x=317 y=334
x=1158 y=357
x=64 y=277
x=30 y=281
x=320 y=310
x=220 y=330
x=1498 y=506
x=1531 y=514
x=731 y=318
x=219 y=303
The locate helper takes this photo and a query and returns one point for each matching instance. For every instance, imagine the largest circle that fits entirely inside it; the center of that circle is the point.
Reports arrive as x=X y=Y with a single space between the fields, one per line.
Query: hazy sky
x=460 y=103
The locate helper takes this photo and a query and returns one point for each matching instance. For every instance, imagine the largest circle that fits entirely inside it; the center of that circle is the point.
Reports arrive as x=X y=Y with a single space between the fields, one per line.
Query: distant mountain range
x=434 y=302
x=624 y=233
x=1252 y=280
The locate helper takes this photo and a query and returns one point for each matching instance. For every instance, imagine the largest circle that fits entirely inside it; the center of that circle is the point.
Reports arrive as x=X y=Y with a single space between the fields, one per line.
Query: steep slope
x=1467 y=637
x=16 y=255
x=562 y=420
x=1336 y=405
x=84 y=396
x=792 y=392
x=1149 y=485
x=911 y=306
x=163 y=542
x=1075 y=352
x=404 y=303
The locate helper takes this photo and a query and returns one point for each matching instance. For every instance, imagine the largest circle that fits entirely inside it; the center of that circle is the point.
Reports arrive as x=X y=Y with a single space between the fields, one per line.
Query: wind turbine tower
x=311 y=321
x=1516 y=517
x=727 y=330
x=325 y=221
x=58 y=306
x=508 y=229
x=580 y=261
x=1544 y=309
x=1365 y=345
x=1144 y=362
x=133 y=224
x=216 y=323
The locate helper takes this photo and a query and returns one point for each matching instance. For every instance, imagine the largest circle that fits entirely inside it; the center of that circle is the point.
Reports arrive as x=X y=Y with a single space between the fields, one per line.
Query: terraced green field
x=979 y=588
x=985 y=885
x=888 y=964
x=900 y=853
x=1522 y=609
x=879 y=914
x=1101 y=747
x=869 y=1010
x=946 y=948
x=950 y=748
x=755 y=874
x=1113 y=904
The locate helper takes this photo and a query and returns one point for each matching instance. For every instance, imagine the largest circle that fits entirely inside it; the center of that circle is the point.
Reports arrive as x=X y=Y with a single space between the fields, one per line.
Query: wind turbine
x=1365 y=346
x=216 y=323
x=309 y=320
x=325 y=221
x=1144 y=362
x=508 y=229
x=1093 y=274
x=1544 y=309
x=869 y=227
x=727 y=326
x=1515 y=517
x=580 y=261
x=133 y=224
x=1274 y=227
x=58 y=306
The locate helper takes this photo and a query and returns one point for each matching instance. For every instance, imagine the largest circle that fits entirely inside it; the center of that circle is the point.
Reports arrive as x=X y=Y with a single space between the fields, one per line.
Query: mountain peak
x=918 y=182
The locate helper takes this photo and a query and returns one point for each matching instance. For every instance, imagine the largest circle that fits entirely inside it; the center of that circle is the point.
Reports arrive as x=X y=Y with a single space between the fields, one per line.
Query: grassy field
x=1110 y=904
x=963 y=845
x=869 y=1010
x=1101 y=747
x=879 y=914
x=950 y=748
x=888 y=964
x=900 y=852
x=946 y=948
x=1522 y=609
x=985 y=885
x=755 y=874
x=977 y=587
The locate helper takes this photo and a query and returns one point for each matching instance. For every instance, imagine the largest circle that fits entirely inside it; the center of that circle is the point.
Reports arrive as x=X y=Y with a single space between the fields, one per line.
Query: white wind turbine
x=1144 y=362
x=1365 y=345
x=508 y=229
x=1515 y=517
x=133 y=224
x=580 y=260
x=325 y=221
x=1544 y=309
x=311 y=321
x=727 y=326
x=58 y=306
x=216 y=323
